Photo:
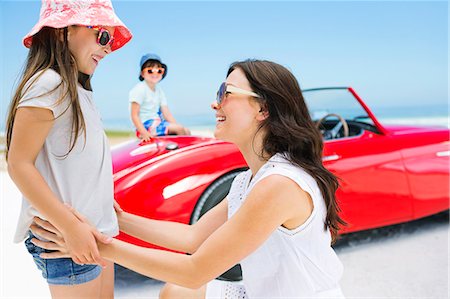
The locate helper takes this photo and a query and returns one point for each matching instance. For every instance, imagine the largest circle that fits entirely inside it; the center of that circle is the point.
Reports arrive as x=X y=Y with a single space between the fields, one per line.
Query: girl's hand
x=117 y=207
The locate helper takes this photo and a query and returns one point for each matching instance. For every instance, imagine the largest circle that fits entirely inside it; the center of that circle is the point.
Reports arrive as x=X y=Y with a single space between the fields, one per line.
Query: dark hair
x=290 y=129
x=151 y=63
x=50 y=50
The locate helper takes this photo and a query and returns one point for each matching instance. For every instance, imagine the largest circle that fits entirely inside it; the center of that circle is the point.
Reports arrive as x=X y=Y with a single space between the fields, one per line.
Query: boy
x=149 y=111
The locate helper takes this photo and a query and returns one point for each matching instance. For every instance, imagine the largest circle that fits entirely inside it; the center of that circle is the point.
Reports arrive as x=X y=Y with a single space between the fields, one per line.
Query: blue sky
x=394 y=53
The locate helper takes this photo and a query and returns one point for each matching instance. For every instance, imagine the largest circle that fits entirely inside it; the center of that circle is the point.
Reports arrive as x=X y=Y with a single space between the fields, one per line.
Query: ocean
x=433 y=115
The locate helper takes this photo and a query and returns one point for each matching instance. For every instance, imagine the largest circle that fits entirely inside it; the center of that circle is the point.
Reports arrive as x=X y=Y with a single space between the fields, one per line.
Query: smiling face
x=84 y=47
x=152 y=72
x=238 y=116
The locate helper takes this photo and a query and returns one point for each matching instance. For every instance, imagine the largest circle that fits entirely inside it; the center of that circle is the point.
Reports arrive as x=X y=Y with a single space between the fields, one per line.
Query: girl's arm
x=167 y=114
x=172 y=235
x=31 y=127
x=137 y=122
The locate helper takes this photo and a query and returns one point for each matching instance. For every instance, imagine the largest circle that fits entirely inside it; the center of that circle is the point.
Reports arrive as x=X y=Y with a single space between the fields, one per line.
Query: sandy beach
x=403 y=261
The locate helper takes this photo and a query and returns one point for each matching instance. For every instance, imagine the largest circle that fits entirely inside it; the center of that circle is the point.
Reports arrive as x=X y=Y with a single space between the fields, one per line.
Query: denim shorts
x=61 y=271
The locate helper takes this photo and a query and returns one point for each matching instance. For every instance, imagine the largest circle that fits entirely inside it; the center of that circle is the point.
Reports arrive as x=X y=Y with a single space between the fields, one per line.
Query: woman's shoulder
x=281 y=165
x=281 y=162
x=282 y=194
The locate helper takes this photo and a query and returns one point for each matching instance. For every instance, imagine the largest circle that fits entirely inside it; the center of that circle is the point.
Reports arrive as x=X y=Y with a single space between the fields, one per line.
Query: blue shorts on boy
x=150 y=102
x=157 y=126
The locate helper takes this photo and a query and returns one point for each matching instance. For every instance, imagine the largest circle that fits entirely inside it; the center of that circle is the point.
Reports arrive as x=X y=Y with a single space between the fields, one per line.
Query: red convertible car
x=388 y=174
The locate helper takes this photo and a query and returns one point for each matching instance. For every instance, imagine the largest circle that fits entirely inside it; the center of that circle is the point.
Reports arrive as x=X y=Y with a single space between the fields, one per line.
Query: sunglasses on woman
x=150 y=71
x=104 y=38
x=225 y=89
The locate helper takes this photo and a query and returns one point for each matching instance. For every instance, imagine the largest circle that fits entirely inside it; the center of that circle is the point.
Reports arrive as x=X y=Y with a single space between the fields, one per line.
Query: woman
x=278 y=220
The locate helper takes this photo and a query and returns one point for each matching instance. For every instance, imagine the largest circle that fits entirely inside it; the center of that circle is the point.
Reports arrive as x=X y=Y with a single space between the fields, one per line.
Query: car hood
x=407 y=129
x=135 y=152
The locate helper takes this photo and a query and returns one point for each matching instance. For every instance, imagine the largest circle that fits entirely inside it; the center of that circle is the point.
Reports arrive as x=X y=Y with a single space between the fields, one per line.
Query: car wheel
x=214 y=194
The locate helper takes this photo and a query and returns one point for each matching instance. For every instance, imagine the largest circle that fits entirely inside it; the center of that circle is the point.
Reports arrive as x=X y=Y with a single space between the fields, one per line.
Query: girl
x=56 y=150
x=278 y=220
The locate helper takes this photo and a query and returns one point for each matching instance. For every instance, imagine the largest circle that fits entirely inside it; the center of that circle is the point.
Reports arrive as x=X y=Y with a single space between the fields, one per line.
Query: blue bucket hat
x=150 y=56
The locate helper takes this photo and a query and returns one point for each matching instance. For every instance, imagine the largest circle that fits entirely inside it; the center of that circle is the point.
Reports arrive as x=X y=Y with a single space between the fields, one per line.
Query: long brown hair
x=290 y=129
x=50 y=50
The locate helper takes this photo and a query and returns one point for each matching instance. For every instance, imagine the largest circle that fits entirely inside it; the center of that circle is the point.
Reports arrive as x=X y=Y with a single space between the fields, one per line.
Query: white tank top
x=290 y=263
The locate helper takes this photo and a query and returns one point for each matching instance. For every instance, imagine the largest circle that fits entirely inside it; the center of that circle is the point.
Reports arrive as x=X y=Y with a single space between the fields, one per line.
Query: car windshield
x=322 y=101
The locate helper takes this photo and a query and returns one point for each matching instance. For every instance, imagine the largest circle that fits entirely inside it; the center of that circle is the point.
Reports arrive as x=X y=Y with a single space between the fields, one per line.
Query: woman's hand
x=66 y=245
x=55 y=239
x=80 y=242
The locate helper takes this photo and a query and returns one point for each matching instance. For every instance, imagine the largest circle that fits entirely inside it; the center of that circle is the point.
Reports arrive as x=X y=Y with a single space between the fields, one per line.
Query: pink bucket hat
x=63 y=13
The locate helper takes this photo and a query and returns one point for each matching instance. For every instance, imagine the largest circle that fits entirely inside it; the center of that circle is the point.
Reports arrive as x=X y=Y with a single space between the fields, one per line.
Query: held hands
x=79 y=243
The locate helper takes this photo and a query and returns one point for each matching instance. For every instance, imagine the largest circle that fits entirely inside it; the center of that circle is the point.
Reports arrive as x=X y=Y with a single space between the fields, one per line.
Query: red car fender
x=168 y=186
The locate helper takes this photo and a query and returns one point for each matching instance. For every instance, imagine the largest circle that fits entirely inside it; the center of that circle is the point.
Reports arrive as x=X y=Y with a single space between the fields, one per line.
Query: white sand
x=406 y=261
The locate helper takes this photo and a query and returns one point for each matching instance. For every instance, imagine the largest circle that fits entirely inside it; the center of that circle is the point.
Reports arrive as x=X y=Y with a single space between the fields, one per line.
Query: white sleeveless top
x=294 y=263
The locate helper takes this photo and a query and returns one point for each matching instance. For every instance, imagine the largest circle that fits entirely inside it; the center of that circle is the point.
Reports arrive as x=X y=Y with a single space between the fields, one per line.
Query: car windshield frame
x=342 y=101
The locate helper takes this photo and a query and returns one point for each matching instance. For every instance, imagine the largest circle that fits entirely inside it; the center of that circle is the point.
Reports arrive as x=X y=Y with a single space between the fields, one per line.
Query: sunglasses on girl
x=225 y=89
x=150 y=71
x=104 y=38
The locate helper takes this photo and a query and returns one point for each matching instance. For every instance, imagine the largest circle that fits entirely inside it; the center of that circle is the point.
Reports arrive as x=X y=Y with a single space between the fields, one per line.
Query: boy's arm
x=135 y=108
x=167 y=114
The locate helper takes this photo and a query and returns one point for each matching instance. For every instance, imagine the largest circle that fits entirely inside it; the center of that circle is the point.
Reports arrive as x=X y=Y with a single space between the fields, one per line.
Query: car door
x=427 y=157
x=373 y=188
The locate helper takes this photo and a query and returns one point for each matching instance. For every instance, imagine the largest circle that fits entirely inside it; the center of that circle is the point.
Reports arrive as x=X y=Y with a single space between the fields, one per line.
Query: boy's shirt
x=150 y=101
